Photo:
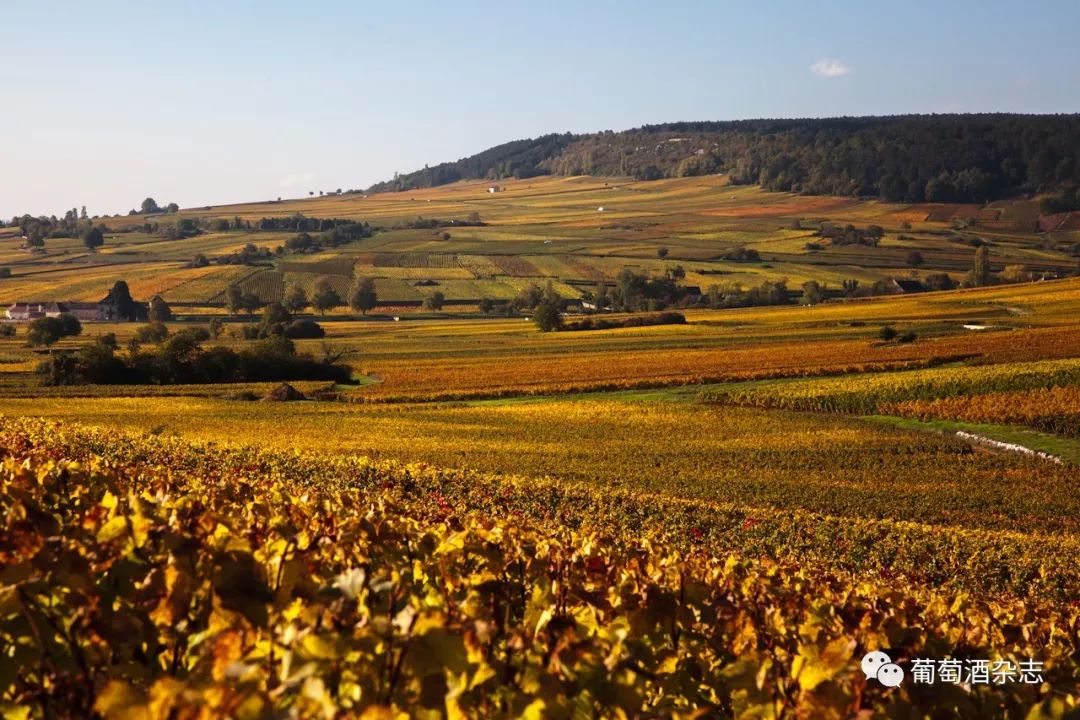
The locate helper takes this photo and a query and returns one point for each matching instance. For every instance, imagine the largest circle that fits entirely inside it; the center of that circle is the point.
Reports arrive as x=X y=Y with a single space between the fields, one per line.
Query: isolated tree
x=362 y=295
x=159 y=309
x=172 y=208
x=69 y=325
x=93 y=238
x=295 y=299
x=661 y=252
x=813 y=292
x=274 y=320
x=914 y=259
x=550 y=295
x=434 y=301
x=887 y=333
x=600 y=297
x=149 y=206
x=980 y=271
x=47 y=330
x=547 y=317
x=234 y=299
x=325 y=297
x=82 y=215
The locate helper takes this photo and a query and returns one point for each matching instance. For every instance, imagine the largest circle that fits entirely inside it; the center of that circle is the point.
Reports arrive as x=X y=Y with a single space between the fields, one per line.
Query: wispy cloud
x=297 y=179
x=829 y=68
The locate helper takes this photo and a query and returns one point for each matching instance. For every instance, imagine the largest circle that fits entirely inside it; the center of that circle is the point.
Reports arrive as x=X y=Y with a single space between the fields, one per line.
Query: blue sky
x=199 y=102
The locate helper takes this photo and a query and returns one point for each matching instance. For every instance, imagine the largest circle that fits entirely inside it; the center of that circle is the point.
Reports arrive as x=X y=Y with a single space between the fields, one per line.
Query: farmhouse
x=107 y=309
x=32 y=311
x=84 y=310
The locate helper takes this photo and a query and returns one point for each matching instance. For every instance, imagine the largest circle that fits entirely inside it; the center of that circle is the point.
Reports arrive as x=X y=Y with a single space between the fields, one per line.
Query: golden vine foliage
x=146 y=578
x=1054 y=410
x=873 y=393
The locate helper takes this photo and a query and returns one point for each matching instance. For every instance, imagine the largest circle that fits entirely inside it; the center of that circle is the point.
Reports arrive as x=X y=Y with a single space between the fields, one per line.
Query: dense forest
x=914 y=158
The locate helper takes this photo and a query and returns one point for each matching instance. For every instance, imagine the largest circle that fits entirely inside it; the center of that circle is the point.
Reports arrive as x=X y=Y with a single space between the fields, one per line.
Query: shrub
x=887 y=333
x=304 y=330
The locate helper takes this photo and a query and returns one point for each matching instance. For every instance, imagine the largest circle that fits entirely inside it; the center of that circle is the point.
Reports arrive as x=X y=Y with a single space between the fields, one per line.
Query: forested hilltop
x=912 y=158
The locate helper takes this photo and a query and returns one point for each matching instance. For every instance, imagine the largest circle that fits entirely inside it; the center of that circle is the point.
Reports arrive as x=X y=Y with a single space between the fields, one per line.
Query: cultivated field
x=720 y=517
x=539 y=230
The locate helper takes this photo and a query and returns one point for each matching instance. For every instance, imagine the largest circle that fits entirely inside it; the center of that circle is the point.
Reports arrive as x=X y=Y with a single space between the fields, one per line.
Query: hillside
x=575 y=232
x=932 y=158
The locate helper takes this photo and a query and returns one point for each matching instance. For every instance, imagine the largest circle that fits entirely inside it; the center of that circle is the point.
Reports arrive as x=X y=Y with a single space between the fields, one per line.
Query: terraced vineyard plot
x=415 y=260
x=414 y=273
x=88 y=284
x=342 y=265
x=393 y=290
x=515 y=266
x=237 y=277
x=268 y=285
x=480 y=266
x=584 y=269
x=207 y=285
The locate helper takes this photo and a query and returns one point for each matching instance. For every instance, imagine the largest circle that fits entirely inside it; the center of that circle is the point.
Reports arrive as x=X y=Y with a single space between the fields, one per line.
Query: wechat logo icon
x=879 y=666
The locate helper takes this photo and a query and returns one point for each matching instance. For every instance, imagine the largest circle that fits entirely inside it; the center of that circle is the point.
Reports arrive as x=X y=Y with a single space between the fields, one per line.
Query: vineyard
x=415 y=260
x=716 y=518
x=912 y=390
x=247 y=583
x=1053 y=410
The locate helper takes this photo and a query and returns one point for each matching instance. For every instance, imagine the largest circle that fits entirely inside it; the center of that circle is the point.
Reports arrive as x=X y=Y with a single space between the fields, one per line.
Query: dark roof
x=910 y=285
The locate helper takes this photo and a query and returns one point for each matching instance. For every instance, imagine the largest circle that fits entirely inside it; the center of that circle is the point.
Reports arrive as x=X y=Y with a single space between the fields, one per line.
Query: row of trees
x=325 y=297
x=150 y=207
x=175 y=358
x=73 y=225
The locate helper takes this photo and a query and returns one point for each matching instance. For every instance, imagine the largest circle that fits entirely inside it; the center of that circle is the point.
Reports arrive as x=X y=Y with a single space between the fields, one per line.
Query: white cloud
x=297 y=179
x=829 y=68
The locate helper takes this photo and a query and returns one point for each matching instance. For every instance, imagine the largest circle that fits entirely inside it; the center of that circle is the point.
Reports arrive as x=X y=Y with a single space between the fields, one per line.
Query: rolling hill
x=935 y=158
